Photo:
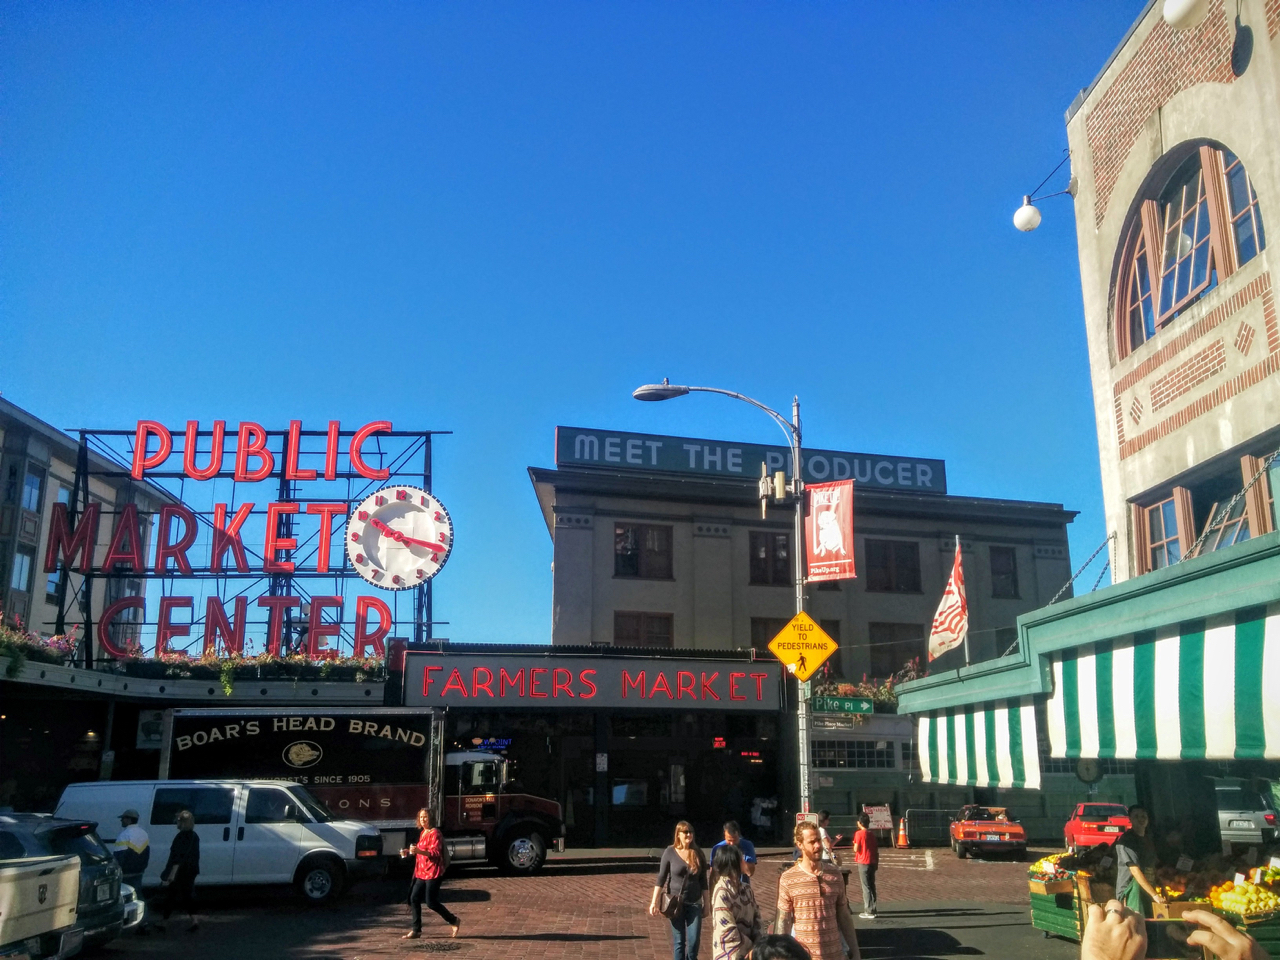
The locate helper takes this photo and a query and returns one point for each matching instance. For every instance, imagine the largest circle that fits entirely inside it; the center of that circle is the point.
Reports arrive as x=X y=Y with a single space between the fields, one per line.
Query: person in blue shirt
x=733 y=837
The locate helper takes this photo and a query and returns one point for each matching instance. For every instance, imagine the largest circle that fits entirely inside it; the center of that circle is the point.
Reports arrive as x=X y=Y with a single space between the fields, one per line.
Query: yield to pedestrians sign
x=802 y=646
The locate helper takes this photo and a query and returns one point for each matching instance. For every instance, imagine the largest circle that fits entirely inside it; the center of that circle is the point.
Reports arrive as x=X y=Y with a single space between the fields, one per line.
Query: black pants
x=178 y=895
x=428 y=892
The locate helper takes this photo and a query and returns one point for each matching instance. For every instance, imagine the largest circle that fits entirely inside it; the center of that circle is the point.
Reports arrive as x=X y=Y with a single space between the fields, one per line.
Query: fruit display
x=1246 y=899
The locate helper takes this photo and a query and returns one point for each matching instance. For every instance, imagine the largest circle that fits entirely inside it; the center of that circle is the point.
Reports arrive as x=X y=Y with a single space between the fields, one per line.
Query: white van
x=251 y=831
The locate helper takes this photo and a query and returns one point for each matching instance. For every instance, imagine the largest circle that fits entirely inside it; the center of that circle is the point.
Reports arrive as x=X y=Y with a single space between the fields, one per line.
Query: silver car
x=1246 y=814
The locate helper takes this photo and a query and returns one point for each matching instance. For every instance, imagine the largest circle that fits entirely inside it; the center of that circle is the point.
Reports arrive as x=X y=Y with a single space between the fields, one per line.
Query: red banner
x=829 y=530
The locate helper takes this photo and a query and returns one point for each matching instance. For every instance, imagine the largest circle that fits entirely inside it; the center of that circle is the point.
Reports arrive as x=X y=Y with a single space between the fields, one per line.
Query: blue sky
x=497 y=218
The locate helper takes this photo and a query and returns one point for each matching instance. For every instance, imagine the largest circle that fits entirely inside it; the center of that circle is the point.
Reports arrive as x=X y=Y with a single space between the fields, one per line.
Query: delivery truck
x=378 y=764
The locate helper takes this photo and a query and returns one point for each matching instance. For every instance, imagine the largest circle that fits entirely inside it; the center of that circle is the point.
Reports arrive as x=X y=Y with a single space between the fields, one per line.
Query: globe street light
x=666 y=390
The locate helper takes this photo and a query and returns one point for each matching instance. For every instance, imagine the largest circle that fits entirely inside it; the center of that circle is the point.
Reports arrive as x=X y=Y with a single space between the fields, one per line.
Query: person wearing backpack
x=431 y=855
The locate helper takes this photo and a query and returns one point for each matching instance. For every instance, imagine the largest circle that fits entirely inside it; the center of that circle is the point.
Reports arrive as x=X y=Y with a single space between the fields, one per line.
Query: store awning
x=1202 y=689
x=983 y=745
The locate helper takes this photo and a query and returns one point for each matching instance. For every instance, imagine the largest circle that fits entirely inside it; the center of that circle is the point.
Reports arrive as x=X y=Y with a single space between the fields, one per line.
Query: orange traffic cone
x=902 y=832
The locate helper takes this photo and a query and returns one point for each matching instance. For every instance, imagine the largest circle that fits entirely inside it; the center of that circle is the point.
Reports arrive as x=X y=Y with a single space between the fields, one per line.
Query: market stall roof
x=1181 y=663
x=988 y=745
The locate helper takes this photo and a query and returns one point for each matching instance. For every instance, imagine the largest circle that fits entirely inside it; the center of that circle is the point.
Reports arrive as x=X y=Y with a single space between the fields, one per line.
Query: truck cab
x=487 y=815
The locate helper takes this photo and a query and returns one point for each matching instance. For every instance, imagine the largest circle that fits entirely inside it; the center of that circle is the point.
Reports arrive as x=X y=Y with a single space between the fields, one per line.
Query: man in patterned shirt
x=811 y=896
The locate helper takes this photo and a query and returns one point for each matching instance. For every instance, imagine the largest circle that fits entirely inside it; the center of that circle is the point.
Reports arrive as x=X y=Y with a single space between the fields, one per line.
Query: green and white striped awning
x=982 y=745
x=1195 y=690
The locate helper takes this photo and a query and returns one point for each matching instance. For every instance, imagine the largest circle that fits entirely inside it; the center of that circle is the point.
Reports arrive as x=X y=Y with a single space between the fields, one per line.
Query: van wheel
x=320 y=880
x=523 y=852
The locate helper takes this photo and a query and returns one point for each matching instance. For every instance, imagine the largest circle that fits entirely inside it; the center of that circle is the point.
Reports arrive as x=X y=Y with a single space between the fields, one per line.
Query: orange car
x=989 y=830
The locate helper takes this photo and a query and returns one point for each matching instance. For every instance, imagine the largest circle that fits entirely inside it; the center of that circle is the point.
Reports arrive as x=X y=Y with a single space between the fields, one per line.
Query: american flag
x=951 y=622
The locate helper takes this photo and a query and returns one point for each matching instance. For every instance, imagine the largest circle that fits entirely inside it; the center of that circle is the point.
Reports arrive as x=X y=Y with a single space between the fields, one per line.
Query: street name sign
x=802 y=646
x=842 y=705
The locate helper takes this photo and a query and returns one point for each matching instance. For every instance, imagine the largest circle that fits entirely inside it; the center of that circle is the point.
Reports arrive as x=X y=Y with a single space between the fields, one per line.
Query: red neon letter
x=331 y=452
x=707 y=692
x=318 y=630
x=506 y=680
x=216 y=624
x=637 y=683
x=477 y=686
x=177 y=550
x=274 y=542
x=427 y=679
x=165 y=630
x=108 y=616
x=141 y=462
x=227 y=536
x=363 y=636
x=275 y=622
x=533 y=682
x=361 y=435
x=294 y=447
x=454 y=683
x=326 y=512
x=557 y=684
x=215 y=450
x=661 y=684
x=70 y=545
x=681 y=686
x=255 y=447
x=126 y=529
x=759 y=678
x=733 y=686
x=583 y=678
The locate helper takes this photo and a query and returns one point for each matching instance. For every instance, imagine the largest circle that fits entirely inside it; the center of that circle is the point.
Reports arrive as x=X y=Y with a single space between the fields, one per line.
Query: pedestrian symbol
x=802 y=646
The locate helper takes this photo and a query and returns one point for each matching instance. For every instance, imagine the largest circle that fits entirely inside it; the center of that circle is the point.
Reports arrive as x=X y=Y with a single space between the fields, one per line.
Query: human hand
x=653 y=908
x=1222 y=938
x=1113 y=933
x=404 y=852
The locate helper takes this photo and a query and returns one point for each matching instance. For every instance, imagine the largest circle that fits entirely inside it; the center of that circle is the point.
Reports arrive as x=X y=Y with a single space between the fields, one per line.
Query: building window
x=893 y=646
x=1228 y=525
x=1004 y=573
x=23 y=561
x=893 y=566
x=1200 y=226
x=642 y=550
x=764 y=629
x=853 y=754
x=1163 y=545
x=910 y=759
x=771 y=559
x=31 y=488
x=641 y=629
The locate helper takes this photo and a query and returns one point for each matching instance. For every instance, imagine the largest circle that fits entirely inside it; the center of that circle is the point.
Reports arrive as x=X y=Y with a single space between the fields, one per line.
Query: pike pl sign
x=610 y=449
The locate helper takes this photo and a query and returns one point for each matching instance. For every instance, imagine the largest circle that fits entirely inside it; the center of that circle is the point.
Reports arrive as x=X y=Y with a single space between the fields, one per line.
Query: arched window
x=1198 y=226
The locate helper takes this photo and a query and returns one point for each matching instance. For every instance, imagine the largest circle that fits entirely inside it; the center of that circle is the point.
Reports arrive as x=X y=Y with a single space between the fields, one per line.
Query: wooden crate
x=1094 y=890
x=1057 y=914
x=1049 y=888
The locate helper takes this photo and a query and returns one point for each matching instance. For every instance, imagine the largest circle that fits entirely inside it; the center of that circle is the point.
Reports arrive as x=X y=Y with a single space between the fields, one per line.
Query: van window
x=207 y=804
x=268 y=805
x=10 y=847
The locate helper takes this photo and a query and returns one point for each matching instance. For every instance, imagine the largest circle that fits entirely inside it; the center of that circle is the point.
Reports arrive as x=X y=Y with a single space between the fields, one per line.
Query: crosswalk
x=906 y=859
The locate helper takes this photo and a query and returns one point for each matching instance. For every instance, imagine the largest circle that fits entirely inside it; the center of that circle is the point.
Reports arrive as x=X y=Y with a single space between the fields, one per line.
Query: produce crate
x=1049 y=888
x=1265 y=929
x=1093 y=890
x=1057 y=914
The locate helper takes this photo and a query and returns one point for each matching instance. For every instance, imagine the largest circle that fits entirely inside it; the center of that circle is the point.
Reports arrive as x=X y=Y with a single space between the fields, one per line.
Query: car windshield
x=83 y=843
x=979 y=813
x=1241 y=798
x=1103 y=811
x=312 y=804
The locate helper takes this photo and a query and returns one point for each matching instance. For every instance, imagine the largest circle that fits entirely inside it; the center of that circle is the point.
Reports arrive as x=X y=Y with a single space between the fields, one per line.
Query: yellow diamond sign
x=802 y=646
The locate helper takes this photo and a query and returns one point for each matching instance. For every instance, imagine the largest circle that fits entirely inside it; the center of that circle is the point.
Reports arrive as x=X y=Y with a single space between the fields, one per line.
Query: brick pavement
x=568 y=911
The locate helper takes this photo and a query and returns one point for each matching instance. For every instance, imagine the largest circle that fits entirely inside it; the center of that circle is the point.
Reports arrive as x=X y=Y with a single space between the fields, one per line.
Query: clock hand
x=399 y=537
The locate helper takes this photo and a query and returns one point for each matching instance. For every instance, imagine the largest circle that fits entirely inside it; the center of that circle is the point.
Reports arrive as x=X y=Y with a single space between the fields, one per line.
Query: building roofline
x=1085 y=93
x=744 y=655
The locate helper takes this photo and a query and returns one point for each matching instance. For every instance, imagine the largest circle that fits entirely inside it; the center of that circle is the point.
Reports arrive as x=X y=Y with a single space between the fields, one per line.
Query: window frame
x=645 y=617
x=1012 y=553
x=898 y=642
x=777 y=575
x=892 y=566
x=645 y=562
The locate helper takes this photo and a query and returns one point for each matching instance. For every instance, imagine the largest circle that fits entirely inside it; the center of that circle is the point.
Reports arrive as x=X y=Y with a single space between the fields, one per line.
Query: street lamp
x=666 y=390
x=1027 y=217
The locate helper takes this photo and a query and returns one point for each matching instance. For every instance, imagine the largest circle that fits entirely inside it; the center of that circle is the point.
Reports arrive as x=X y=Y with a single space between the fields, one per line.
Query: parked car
x=1245 y=814
x=99 y=910
x=1093 y=824
x=989 y=830
x=251 y=831
x=38 y=896
x=135 y=908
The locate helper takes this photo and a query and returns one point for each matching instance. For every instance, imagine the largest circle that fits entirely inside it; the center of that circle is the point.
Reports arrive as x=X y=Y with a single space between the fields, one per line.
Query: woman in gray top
x=682 y=876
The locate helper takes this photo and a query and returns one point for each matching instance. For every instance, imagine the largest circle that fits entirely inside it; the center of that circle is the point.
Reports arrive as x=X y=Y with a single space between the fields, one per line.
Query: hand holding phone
x=1114 y=932
x=1221 y=938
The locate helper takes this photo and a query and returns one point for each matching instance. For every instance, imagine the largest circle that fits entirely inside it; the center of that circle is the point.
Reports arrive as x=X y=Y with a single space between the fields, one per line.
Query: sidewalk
x=636 y=854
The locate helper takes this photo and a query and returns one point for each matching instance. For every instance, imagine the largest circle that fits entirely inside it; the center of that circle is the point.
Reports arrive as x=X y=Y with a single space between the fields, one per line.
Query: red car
x=987 y=829
x=1095 y=823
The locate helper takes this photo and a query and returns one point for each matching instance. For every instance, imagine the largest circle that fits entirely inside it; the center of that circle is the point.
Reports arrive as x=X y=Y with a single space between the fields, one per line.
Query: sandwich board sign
x=802 y=646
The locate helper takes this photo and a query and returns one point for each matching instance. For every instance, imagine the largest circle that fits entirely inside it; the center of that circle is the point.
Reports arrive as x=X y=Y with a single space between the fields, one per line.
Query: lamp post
x=669 y=391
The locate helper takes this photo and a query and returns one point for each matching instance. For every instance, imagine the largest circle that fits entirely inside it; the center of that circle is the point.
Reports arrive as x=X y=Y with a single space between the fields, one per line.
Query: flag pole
x=966 y=626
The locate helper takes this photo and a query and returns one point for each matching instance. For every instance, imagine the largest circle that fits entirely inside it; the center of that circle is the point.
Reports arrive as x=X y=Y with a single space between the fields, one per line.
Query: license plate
x=1243 y=824
x=993 y=836
x=103 y=892
x=1110 y=829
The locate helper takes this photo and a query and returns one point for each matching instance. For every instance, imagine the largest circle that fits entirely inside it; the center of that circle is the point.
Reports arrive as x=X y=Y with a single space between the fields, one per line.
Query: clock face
x=1088 y=770
x=399 y=537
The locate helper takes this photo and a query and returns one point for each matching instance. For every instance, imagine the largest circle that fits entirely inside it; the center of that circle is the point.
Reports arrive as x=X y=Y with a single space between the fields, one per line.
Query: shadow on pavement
x=889 y=914
x=558 y=937
x=912 y=943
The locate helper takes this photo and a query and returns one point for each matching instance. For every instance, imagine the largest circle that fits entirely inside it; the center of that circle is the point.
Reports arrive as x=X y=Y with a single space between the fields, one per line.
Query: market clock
x=399 y=537
x=1088 y=770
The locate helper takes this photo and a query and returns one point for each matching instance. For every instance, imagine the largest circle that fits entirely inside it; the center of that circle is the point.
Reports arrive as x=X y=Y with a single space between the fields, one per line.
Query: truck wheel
x=319 y=880
x=523 y=852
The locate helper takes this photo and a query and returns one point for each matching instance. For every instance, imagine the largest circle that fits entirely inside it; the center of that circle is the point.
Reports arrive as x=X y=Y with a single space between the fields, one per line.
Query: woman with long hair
x=682 y=893
x=179 y=875
x=735 y=918
x=428 y=874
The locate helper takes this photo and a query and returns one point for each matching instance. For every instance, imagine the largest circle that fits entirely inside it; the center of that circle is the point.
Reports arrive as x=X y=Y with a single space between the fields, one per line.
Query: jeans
x=686 y=932
x=428 y=891
x=867 y=877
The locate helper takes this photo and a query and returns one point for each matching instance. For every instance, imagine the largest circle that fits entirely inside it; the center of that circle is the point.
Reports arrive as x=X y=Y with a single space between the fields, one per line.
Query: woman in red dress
x=428 y=873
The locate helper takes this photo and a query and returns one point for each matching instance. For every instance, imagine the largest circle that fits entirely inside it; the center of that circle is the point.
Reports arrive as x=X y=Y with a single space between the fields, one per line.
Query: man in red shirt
x=866 y=854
